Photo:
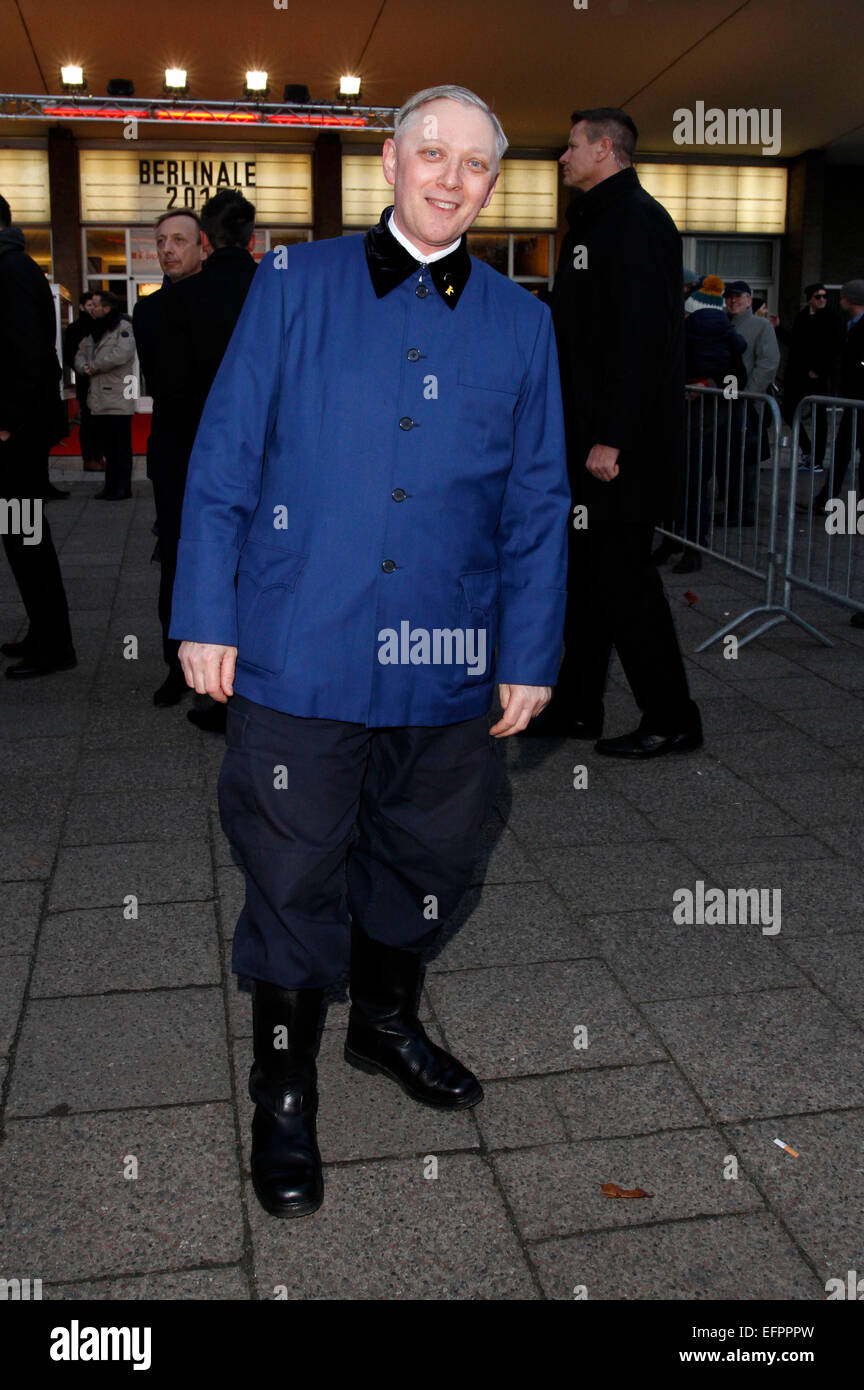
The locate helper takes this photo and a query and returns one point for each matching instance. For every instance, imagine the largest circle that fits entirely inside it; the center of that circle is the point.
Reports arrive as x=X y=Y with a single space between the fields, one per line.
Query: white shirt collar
x=420 y=256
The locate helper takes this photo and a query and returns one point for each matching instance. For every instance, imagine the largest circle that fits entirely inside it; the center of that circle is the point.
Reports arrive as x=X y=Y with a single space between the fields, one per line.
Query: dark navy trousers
x=334 y=822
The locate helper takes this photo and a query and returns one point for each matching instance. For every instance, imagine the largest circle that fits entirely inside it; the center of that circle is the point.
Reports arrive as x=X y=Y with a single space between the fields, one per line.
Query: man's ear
x=488 y=198
x=388 y=159
x=206 y=248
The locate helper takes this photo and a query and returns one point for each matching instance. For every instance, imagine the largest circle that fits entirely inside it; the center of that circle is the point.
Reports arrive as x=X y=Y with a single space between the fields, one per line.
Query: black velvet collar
x=389 y=264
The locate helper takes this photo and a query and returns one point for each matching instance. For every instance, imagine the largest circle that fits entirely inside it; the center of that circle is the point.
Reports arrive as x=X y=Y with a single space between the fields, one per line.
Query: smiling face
x=443 y=171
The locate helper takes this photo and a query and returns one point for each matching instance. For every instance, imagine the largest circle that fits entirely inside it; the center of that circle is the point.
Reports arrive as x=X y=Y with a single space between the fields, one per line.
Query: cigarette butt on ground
x=781 y=1145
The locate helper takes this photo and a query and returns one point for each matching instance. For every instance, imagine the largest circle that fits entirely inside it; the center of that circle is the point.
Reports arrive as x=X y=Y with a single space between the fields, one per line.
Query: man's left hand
x=520 y=704
x=602 y=462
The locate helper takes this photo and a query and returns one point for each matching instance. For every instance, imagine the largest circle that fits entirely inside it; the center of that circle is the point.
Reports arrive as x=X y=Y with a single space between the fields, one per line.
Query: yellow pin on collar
x=449 y=289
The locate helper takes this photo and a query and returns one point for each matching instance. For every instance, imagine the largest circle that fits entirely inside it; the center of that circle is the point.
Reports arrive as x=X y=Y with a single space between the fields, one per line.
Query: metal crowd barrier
x=725 y=515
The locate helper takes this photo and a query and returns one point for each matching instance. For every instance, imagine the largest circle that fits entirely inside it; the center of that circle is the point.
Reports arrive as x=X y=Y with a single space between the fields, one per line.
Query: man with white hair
x=377 y=499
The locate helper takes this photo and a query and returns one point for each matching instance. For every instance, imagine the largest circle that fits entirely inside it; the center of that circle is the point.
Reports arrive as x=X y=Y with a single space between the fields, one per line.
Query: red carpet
x=70 y=445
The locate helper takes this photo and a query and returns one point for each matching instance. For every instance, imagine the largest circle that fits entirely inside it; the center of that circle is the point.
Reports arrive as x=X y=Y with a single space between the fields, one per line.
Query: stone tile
x=754 y=817
x=20 y=906
x=86 y=1053
x=167 y=815
x=520 y=1020
x=811 y=1194
x=192 y=1285
x=510 y=924
x=519 y=1113
x=778 y=1053
x=142 y=769
x=838 y=970
x=774 y=752
x=655 y=958
x=506 y=862
x=839 y=720
x=795 y=691
x=837 y=794
x=361 y=1116
x=617 y=877
x=27 y=850
x=618 y=1101
x=131 y=720
x=183 y=1210
x=386 y=1232
x=15 y=972
x=167 y=947
x=39 y=759
x=759 y=849
x=103 y=875
x=731 y=715
x=556 y=1190
x=577 y=817
x=745 y=1257
x=49 y=720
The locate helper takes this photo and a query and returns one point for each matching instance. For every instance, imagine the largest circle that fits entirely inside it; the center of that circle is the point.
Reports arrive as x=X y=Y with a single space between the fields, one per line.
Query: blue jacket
x=378 y=494
x=713 y=347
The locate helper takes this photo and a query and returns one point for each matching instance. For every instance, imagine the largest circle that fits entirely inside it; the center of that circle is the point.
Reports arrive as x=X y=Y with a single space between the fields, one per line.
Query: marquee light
x=175 y=80
x=256 y=82
x=72 y=77
x=349 y=86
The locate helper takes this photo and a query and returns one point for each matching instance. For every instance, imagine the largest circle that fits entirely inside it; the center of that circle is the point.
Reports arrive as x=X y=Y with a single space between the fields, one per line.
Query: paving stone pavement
x=615 y=1043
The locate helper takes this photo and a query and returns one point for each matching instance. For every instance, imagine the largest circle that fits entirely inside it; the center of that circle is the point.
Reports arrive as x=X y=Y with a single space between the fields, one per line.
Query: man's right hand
x=209 y=669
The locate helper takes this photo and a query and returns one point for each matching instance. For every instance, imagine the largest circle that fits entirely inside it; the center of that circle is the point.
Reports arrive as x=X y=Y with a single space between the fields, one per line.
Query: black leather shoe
x=857 y=620
x=640 y=744
x=33 y=666
x=171 y=691
x=14 y=649
x=665 y=550
x=690 y=561
x=286 y=1163
x=213 y=720
x=385 y=1035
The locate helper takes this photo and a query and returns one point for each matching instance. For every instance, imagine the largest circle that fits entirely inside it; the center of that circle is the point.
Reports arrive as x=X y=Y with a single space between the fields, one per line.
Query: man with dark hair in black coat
x=196 y=320
x=31 y=420
x=619 y=323
x=815 y=343
x=76 y=331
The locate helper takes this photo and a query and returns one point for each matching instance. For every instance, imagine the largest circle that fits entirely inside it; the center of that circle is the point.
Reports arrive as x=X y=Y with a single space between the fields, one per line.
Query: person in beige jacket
x=107 y=357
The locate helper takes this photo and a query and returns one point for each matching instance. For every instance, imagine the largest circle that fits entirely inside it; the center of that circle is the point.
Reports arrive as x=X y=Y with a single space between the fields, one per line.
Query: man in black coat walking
x=31 y=420
x=179 y=248
x=197 y=318
x=619 y=323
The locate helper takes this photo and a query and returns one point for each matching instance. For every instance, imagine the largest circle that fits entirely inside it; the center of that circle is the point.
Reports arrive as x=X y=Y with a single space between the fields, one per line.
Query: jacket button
x=414 y=354
x=398 y=494
x=388 y=566
x=406 y=423
x=421 y=291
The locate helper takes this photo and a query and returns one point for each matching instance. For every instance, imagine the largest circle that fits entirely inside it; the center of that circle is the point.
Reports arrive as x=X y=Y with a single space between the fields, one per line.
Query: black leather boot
x=385 y=1035
x=286 y=1164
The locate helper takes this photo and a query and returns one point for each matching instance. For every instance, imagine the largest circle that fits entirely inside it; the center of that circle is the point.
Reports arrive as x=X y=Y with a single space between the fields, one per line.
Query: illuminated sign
x=24 y=185
x=719 y=197
x=128 y=186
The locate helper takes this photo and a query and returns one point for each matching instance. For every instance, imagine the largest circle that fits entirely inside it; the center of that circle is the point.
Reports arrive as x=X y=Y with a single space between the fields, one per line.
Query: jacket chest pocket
x=266 y=581
x=487 y=393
